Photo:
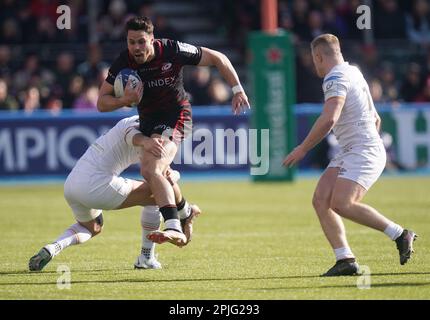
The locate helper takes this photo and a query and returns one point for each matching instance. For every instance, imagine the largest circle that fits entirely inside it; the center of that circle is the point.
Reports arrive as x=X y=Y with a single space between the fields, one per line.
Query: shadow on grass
x=312 y=286
x=349 y=286
x=23 y=272
x=151 y=280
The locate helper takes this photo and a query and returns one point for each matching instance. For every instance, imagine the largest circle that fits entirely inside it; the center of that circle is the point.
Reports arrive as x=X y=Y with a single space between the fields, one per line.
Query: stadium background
x=43 y=68
x=49 y=80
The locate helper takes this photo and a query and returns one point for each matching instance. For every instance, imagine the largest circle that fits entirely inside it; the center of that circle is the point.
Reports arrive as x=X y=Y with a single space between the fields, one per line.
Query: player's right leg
x=347 y=202
x=332 y=225
x=153 y=169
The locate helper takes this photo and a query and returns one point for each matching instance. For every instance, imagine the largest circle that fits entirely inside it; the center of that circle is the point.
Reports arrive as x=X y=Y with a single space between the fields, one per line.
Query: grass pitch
x=254 y=241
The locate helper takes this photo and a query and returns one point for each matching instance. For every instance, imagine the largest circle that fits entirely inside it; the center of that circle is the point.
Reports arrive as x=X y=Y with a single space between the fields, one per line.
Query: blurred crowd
x=62 y=78
x=42 y=67
x=396 y=60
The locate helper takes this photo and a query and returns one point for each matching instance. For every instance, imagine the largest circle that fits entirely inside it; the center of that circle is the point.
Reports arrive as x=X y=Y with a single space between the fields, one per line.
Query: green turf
x=254 y=241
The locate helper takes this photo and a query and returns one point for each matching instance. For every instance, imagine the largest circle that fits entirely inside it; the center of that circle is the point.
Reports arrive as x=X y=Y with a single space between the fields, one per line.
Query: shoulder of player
x=335 y=75
x=172 y=47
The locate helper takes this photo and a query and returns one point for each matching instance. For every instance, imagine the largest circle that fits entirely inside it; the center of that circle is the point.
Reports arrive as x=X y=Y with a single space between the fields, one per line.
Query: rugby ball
x=121 y=81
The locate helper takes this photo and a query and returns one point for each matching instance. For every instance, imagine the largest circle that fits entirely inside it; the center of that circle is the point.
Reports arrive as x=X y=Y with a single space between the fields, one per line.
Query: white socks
x=185 y=211
x=150 y=221
x=343 y=253
x=173 y=224
x=393 y=231
x=75 y=234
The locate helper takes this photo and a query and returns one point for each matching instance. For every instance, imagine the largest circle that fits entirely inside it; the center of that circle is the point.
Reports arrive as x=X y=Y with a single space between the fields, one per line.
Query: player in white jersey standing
x=94 y=185
x=349 y=111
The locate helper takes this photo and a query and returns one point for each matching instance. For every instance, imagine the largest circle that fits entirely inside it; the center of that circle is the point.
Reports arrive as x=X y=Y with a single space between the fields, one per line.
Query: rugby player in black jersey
x=164 y=110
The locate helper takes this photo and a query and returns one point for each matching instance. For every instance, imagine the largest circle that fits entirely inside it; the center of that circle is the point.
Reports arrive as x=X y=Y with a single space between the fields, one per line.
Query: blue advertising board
x=45 y=144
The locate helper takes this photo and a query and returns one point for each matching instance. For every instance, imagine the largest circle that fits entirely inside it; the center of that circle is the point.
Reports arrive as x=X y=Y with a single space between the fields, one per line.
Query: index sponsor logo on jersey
x=160 y=82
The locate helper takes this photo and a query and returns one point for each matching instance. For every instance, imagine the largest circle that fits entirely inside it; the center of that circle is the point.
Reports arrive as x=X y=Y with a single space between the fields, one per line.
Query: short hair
x=140 y=23
x=329 y=44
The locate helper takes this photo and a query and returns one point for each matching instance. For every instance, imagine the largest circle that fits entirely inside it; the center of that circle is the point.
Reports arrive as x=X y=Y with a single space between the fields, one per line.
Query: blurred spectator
x=75 y=89
x=418 y=23
x=198 y=86
x=32 y=99
x=46 y=31
x=388 y=12
x=375 y=89
x=44 y=8
x=54 y=105
x=163 y=30
x=5 y=62
x=87 y=100
x=369 y=63
x=412 y=83
x=219 y=92
x=9 y=8
x=388 y=82
x=300 y=19
x=424 y=95
x=91 y=68
x=10 y=32
x=31 y=71
x=315 y=22
x=111 y=26
x=285 y=17
x=7 y=102
x=346 y=15
x=333 y=22
x=308 y=84
x=146 y=9
x=64 y=73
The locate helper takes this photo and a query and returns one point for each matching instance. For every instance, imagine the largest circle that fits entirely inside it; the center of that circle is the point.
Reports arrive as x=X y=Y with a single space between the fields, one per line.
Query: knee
x=149 y=173
x=341 y=206
x=320 y=203
x=97 y=226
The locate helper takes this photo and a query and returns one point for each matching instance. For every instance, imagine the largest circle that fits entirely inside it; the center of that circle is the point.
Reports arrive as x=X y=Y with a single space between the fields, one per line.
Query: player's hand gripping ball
x=121 y=81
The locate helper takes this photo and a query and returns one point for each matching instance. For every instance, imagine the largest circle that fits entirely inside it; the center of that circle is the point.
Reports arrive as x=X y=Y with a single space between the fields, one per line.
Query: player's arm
x=322 y=126
x=227 y=71
x=135 y=138
x=108 y=102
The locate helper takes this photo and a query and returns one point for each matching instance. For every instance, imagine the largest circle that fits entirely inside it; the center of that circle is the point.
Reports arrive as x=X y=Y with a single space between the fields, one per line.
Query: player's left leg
x=346 y=201
x=77 y=233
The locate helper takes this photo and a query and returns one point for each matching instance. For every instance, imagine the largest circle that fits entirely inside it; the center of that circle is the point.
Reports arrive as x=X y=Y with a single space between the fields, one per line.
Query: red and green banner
x=272 y=97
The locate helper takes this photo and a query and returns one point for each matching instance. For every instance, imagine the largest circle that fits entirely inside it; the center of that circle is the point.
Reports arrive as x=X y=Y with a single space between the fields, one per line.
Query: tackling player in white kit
x=94 y=185
x=349 y=111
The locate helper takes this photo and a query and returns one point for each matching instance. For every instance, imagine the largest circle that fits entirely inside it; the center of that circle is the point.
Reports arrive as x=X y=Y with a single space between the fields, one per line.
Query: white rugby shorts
x=89 y=194
x=362 y=164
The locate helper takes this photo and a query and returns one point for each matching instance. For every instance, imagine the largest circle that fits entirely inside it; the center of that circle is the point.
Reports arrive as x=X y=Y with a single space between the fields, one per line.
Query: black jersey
x=162 y=76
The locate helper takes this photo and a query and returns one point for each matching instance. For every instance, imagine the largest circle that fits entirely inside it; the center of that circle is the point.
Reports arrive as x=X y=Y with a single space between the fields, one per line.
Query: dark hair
x=140 y=23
